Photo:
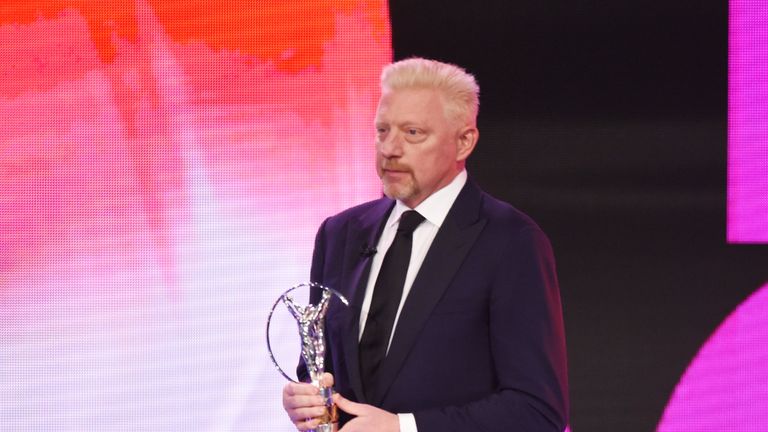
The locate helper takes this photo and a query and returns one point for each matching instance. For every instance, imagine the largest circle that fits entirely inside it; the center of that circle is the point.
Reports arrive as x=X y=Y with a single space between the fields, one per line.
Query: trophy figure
x=311 y=322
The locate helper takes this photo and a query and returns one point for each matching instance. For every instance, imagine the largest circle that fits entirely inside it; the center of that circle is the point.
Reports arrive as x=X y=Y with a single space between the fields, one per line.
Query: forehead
x=410 y=104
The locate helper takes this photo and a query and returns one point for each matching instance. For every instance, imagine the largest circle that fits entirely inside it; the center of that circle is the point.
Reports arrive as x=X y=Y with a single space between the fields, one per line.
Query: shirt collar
x=436 y=206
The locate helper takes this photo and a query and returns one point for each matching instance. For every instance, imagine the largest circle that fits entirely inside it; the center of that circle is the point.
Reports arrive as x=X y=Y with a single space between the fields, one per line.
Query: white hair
x=458 y=88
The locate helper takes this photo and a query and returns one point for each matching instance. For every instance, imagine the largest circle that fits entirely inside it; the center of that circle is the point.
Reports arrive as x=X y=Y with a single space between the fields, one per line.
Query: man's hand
x=369 y=418
x=303 y=403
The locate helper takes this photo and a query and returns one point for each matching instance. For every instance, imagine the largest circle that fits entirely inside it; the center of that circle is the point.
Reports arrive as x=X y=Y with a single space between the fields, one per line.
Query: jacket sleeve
x=528 y=347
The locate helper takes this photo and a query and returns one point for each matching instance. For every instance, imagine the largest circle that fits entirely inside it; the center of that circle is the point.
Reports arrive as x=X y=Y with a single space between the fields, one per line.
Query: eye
x=414 y=134
x=381 y=131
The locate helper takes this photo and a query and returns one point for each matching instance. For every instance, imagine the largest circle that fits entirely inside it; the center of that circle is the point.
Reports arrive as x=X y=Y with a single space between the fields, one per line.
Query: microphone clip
x=367 y=251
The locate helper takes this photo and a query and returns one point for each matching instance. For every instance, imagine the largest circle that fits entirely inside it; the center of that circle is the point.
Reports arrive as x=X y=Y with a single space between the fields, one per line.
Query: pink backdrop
x=164 y=166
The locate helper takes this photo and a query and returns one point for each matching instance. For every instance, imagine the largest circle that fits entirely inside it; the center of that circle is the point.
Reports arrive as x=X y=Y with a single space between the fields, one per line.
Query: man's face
x=417 y=147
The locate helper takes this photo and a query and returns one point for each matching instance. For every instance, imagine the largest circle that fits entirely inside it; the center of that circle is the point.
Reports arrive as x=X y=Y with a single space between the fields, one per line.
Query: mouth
x=394 y=171
x=394 y=175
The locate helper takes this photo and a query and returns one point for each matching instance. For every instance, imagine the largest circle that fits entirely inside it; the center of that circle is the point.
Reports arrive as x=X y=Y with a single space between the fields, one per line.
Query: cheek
x=441 y=158
x=425 y=168
x=448 y=157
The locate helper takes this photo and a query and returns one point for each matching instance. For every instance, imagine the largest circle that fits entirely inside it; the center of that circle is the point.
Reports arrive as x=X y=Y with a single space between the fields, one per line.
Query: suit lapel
x=451 y=244
x=362 y=233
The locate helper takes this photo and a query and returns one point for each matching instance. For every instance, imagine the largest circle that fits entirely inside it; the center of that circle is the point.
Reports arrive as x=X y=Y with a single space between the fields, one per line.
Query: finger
x=348 y=406
x=301 y=414
x=307 y=424
x=292 y=389
x=302 y=401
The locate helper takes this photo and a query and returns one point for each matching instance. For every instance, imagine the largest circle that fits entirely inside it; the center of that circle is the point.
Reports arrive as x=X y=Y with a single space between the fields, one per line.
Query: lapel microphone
x=367 y=251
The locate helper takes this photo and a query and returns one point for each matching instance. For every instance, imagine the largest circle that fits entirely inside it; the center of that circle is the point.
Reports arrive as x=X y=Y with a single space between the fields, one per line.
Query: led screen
x=724 y=388
x=163 y=168
x=748 y=122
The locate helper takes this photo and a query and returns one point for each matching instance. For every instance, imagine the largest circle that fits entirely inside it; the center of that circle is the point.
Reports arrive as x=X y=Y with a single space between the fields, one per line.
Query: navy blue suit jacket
x=479 y=345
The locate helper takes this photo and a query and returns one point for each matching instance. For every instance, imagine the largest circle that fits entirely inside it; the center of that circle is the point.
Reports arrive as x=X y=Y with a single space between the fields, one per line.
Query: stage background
x=165 y=165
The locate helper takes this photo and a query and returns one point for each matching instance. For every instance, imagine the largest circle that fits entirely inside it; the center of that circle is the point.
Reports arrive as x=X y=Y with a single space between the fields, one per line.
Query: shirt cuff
x=407 y=422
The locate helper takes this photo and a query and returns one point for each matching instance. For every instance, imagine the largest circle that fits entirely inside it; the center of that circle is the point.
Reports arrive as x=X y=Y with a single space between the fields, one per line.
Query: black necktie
x=387 y=293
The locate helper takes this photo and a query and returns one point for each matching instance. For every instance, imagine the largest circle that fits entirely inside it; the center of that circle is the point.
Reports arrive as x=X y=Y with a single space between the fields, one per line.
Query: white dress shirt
x=434 y=209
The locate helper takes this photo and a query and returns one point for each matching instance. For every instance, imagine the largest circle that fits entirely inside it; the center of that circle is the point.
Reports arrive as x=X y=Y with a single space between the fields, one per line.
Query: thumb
x=326 y=380
x=348 y=406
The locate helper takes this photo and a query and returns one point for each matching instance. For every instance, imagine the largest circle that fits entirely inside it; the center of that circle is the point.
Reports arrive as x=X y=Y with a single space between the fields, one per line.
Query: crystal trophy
x=310 y=319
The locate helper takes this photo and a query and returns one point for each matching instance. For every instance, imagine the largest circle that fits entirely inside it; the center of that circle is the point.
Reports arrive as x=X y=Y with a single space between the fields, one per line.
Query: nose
x=391 y=145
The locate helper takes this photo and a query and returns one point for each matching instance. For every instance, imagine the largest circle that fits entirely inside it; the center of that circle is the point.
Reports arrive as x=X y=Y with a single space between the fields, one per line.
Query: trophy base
x=329 y=420
x=328 y=427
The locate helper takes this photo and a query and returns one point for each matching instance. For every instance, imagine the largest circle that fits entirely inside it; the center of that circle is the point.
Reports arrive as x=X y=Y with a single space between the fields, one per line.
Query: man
x=455 y=321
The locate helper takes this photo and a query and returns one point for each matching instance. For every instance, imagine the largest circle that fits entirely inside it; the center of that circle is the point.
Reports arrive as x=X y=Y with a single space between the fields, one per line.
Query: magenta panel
x=748 y=122
x=725 y=389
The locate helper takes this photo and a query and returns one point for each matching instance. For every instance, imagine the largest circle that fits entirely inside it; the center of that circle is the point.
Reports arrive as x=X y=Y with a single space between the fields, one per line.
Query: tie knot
x=409 y=220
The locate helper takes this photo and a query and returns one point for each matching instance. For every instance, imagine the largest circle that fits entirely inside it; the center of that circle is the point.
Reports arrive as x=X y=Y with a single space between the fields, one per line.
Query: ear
x=466 y=141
